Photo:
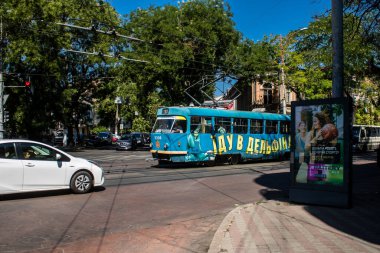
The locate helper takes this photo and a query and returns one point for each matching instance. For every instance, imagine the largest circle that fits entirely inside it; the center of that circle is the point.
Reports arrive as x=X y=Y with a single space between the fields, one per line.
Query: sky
x=253 y=18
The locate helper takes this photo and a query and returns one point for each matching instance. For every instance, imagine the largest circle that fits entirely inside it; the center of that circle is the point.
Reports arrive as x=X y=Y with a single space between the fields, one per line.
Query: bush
x=98 y=129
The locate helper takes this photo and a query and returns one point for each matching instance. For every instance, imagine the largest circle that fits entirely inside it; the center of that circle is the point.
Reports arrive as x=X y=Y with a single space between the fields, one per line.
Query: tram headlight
x=166 y=146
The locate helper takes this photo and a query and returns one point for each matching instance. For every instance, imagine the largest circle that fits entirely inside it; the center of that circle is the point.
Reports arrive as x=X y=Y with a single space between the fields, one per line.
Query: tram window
x=256 y=126
x=179 y=126
x=195 y=124
x=240 y=126
x=271 y=127
x=222 y=125
x=200 y=124
x=163 y=125
x=206 y=124
x=284 y=127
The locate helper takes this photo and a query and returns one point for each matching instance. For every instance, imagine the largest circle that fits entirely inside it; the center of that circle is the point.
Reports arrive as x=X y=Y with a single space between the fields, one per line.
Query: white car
x=33 y=166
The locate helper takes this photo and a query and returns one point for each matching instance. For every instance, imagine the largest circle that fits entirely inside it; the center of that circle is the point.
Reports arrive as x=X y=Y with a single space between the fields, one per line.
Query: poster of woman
x=319 y=139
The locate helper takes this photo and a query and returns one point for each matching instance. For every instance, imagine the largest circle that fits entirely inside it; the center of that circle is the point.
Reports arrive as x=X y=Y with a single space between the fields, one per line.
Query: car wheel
x=81 y=182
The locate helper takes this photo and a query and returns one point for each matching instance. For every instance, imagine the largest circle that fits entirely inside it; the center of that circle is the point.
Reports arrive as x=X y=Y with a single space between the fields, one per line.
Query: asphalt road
x=141 y=208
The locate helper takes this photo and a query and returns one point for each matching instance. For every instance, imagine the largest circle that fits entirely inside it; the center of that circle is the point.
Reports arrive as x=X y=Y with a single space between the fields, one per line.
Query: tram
x=208 y=135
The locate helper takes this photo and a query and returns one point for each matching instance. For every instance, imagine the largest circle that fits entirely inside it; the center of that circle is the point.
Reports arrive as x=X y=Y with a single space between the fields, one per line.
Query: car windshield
x=103 y=134
x=137 y=135
x=126 y=137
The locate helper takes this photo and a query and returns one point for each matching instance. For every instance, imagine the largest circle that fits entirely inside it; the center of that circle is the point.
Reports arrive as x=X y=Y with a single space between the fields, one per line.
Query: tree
x=181 y=47
x=309 y=60
x=34 y=49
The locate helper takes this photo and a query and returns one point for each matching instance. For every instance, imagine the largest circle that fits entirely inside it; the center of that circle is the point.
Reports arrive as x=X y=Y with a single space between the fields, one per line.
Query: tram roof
x=202 y=111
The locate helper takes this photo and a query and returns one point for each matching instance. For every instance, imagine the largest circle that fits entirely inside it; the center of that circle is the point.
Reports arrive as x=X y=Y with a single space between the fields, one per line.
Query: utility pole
x=337 y=41
x=118 y=101
x=282 y=89
x=1 y=82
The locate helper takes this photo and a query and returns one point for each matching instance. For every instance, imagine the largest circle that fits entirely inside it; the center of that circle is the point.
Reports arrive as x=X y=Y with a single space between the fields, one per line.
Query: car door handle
x=29 y=165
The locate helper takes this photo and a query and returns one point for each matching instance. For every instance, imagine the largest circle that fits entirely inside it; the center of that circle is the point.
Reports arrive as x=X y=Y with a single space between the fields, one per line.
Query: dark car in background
x=105 y=138
x=58 y=139
x=143 y=139
x=126 y=142
x=100 y=139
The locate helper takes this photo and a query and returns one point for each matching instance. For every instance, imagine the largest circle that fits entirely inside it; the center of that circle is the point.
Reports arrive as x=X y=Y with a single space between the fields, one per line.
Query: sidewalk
x=276 y=225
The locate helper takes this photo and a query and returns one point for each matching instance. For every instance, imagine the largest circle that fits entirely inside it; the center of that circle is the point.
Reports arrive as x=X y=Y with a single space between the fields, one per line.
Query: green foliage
x=140 y=124
x=184 y=47
x=181 y=45
x=308 y=61
x=99 y=129
x=362 y=117
x=33 y=50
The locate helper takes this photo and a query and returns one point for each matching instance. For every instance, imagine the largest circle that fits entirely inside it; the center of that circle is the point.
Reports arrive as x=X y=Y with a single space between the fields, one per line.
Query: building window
x=268 y=93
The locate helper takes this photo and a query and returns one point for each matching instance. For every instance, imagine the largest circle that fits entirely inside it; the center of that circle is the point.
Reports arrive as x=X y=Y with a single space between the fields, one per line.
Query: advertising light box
x=321 y=154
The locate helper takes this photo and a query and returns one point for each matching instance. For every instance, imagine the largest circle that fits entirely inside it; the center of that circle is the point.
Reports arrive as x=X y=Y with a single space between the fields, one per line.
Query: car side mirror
x=58 y=157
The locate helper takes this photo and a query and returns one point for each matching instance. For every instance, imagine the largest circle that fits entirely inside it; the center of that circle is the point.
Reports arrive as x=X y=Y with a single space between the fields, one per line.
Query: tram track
x=119 y=172
x=133 y=175
x=112 y=169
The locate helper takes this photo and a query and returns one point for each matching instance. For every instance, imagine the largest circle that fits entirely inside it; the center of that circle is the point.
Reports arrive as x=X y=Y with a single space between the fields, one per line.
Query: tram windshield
x=170 y=125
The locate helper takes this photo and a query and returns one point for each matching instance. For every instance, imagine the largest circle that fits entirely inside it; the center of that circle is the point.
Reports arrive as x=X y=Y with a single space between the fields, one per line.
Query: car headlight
x=93 y=162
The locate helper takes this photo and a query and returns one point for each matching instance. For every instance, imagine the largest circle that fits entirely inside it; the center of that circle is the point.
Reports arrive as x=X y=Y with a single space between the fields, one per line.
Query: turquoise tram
x=208 y=135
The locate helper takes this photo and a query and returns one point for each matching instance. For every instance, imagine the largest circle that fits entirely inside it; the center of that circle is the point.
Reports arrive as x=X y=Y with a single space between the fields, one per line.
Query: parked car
x=58 y=139
x=91 y=140
x=143 y=139
x=105 y=138
x=126 y=142
x=33 y=166
x=115 y=138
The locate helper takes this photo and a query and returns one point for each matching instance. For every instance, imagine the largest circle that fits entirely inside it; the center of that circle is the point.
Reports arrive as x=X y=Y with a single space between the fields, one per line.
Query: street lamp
x=118 y=101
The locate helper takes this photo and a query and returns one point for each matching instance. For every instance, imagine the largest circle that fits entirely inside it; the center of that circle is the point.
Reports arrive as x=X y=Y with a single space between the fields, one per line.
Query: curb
x=222 y=234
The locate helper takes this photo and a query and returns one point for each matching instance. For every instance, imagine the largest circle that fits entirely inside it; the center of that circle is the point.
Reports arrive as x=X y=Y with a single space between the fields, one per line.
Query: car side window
x=7 y=151
x=33 y=151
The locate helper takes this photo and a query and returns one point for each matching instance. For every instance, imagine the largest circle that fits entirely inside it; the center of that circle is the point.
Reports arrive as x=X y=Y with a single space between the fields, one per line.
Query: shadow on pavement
x=41 y=194
x=30 y=195
x=361 y=221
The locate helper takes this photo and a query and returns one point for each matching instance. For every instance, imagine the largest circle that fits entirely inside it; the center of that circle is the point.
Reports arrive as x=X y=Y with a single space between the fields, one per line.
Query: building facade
x=265 y=97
